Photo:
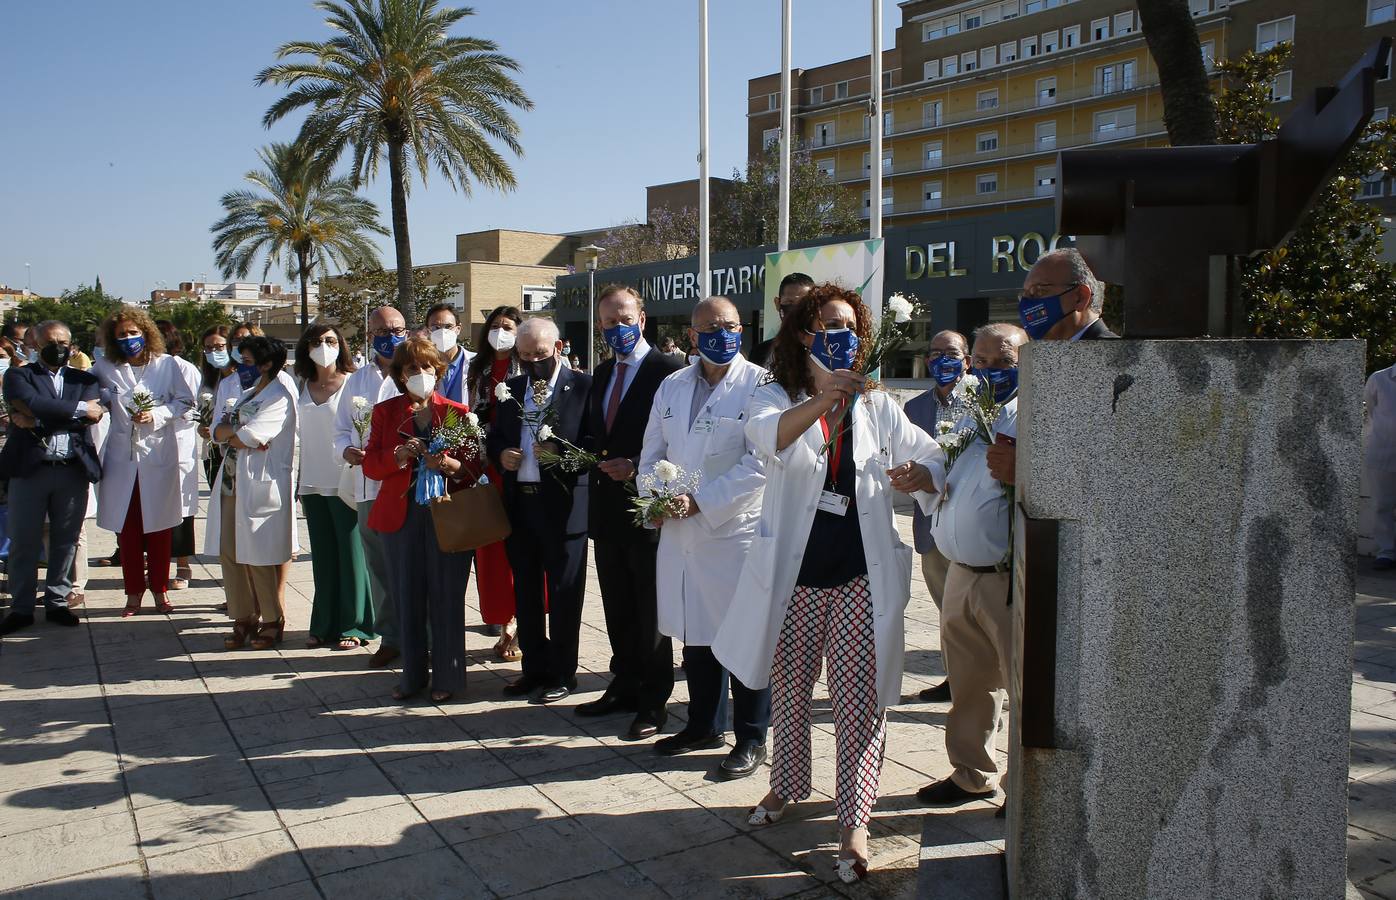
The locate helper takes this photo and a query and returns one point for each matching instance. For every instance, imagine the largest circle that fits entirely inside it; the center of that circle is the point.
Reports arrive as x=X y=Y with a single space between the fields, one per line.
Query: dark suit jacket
x=564 y=494
x=1098 y=332
x=32 y=386
x=611 y=515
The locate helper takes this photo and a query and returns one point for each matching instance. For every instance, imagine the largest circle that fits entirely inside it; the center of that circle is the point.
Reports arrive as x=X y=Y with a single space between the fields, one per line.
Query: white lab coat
x=371 y=384
x=266 y=498
x=883 y=437
x=156 y=454
x=187 y=439
x=698 y=557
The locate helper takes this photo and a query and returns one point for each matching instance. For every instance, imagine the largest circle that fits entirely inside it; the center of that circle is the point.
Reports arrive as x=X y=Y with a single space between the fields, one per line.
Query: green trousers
x=343 y=607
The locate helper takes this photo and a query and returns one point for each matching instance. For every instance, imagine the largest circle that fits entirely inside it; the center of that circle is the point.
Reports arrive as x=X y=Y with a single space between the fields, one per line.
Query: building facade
x=244 y=301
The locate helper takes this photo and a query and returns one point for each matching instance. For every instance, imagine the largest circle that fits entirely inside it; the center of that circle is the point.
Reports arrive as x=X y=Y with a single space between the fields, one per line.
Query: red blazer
x=392 y=427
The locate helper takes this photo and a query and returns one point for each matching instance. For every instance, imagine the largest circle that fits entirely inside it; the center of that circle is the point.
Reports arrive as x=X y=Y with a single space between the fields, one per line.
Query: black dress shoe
x=938 y=694
x=744 y=759
x=605 y=705
x=555 y=693
x=522 y=686
x=947 y=793
x=60 y=615
x=687 y=742
x=14 y=622
x=647 y=724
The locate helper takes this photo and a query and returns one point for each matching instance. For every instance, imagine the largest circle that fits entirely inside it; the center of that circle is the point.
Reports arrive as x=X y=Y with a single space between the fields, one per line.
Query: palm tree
x=301 y=213
x=393 y=80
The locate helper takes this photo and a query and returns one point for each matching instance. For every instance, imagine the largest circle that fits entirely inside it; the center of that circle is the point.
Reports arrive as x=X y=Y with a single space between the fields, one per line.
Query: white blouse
x=320 y=467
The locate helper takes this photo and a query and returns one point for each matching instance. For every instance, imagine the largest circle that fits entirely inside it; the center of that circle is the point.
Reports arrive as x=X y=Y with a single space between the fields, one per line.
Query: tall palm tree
x=300 y=214
x=392 y=80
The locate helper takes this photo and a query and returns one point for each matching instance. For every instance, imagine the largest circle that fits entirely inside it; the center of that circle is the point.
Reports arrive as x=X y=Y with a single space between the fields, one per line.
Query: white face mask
x=32 y=355
x=443 y=339
x=420 y=385
x=324 y=355
x=501 y=340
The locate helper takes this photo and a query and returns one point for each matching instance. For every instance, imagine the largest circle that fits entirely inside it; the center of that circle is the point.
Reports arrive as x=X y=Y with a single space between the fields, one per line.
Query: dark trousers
x=707 y=699
x=58 y=493
x=541 y=557
x=429 y=587
x=641 y=658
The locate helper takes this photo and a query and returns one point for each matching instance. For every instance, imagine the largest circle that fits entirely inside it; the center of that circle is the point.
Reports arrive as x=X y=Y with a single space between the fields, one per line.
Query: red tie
x=616 y=390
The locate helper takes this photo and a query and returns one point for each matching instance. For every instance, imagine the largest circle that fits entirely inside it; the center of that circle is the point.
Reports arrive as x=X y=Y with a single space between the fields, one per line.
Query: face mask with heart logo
x=834 y=348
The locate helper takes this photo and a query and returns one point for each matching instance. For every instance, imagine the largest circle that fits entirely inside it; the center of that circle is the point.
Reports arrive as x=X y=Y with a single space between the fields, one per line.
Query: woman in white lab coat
x=137 y=496
x=827 y=577
x=251 y=515
x=186 y=431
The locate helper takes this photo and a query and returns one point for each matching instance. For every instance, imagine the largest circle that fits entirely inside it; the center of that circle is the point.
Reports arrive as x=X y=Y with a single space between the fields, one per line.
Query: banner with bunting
x=855 y=265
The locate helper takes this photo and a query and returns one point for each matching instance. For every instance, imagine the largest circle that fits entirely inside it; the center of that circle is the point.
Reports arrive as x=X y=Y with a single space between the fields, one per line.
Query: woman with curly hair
x=140 y=495
x=827 y=577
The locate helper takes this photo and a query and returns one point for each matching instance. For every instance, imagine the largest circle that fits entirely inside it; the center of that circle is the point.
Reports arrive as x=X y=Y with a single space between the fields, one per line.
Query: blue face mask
x=248 y=375
x=217 y=358
x=131 y=346
x=622 y=338
x=719 y=347
x=835 y=348
x=946 y=370
x=1003 y=381
x=1039 y=314
x=384 y=345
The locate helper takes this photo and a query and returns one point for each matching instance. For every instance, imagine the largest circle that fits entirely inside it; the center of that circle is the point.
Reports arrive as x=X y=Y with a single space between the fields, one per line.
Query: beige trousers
x=934 y=569
x=976 y=634
x=253 y=592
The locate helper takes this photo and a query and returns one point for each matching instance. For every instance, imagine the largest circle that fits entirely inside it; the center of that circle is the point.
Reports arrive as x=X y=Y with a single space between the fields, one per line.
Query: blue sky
x=125 y=122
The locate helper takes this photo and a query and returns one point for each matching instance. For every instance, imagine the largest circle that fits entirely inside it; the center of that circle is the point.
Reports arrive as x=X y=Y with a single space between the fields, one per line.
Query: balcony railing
x=961 y=201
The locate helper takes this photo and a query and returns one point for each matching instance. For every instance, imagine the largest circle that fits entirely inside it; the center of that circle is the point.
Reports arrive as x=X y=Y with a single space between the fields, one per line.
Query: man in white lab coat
x=698 y=423
x=1380 y=397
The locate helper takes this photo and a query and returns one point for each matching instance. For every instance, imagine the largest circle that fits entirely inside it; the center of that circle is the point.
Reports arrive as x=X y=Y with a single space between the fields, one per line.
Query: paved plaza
x=139 y=759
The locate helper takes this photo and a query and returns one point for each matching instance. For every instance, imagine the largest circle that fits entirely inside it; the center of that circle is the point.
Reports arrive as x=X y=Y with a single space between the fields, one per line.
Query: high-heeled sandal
x=131 y=607
x=268 y=635
x=759 y=816
x=349 y=643
x=163 y=605
x=851 y=870
x=238 y=638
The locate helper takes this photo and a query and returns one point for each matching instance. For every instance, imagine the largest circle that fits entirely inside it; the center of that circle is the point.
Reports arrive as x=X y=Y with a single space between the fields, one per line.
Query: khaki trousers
x=934 y=569
x=252 y=591
x=976 y=634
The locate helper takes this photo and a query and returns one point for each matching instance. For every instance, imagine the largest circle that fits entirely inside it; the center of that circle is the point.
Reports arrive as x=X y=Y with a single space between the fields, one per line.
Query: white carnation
x=360 y=403
x=900 y=308
x=666 y=471
x=545 y=432
x=230 y=403
x=502 y=392
x=944 y=427
x=472 y=420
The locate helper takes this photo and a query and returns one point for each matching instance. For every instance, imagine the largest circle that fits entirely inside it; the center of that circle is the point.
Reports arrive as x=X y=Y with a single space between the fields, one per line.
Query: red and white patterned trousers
x=837 y=624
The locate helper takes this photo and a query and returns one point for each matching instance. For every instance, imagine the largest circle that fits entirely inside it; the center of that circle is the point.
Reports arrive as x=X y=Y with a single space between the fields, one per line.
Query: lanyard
x=836 y=453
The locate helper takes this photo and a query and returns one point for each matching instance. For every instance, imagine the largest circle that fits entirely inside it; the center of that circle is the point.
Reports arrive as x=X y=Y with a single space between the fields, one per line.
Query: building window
x=931 y=195
x=987 y=99
x=1199 y=7
x=1046 y=135
x=841 y=90
x=1029 y=47
x=823 y=134
x=1045 y=178
x=1049 y=42
x=1114 y=78
x=1008 y=52
x=886 y=162
x=1209 y=54
x=931 y=151
x=1379 y=11
x=826 y=166
x=1124 y=23
x=1282 y=88
x=991 y=13
x=969 y=61
x=1071 y=37
x=1046 y=91
x=816 y=96
x=867 y=127
x=1010 y=9
x=1033 y=6
x=1372 y=186
x=1100 y=29
x=950 y=66
x=989 y=56
x=973 y=20
x=986 y=142
x=772 y=101
x=931 y=113
x=930 y=71
x=537 y=298
x=887 y=122
x=886 y=80
x=987 y=184
x=1268 y=34
x=770 y=136
x=1113 y=125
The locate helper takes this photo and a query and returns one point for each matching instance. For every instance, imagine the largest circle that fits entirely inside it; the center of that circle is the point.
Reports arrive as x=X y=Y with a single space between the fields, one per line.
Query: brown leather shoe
x=382 y=656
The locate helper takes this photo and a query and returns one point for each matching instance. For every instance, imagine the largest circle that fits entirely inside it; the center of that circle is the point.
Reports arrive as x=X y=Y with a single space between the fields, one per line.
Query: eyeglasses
x=718 y=326
x=952 y=353
x=1041 y=289
x=327 y=340
x=395 y=332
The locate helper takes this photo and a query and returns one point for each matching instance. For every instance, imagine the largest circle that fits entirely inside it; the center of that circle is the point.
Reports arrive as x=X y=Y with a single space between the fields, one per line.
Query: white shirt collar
x=642 y=349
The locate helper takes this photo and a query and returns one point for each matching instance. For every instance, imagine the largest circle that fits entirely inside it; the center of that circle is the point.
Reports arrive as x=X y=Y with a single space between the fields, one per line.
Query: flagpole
x=783 y=236
x=704 y=274
x=875 y=127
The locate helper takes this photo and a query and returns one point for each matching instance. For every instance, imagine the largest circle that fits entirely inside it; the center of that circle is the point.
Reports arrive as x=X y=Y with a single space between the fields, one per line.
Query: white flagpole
x=704 y=274
x=875 y=127
x=786 y=102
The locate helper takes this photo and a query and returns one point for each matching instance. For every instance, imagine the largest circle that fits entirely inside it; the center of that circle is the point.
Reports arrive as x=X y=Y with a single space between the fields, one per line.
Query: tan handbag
x=470 y=518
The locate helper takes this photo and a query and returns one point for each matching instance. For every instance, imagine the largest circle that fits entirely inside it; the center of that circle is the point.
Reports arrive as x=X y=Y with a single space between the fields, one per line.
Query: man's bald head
x=713 y=310
x=538 y=339
x=386 y=317
x=539 y=328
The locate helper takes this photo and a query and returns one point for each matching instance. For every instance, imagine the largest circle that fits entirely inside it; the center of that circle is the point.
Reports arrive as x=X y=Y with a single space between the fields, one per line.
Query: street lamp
x=592 y=251
x=28 y=280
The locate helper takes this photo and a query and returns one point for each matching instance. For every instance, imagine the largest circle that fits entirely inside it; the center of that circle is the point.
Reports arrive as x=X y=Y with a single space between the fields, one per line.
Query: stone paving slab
x=139 y=759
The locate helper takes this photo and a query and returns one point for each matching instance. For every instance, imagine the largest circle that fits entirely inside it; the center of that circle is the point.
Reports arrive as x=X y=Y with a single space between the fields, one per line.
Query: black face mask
x=540 y=369
x=55 y=355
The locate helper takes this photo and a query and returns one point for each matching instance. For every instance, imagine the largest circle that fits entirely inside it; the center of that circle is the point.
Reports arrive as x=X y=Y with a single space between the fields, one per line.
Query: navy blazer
x=31 y=386
x=564 y=493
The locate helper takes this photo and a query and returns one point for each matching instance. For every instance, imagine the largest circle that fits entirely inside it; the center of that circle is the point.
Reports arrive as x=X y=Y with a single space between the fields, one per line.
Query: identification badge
x=704 y=425
x=833 y=503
